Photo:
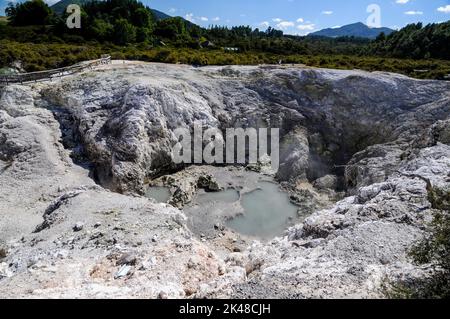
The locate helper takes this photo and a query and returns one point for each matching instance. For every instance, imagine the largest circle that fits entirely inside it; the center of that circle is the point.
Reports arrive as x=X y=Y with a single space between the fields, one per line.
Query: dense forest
x=128 y=29
x=123 y=22
x=415 y=41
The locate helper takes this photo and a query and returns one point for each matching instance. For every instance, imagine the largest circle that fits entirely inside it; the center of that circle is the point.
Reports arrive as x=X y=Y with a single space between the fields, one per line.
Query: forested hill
x=160 y=15
x=415 y=41
x=352 y=30
x=129 y=30
x=60 y=7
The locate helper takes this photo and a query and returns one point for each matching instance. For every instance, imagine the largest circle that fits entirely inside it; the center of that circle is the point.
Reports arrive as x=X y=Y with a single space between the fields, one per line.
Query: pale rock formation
x=384 y=138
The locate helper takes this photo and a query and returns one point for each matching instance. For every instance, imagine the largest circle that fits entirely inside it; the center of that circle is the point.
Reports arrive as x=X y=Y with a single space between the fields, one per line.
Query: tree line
x=125 y=22
x=415 y=41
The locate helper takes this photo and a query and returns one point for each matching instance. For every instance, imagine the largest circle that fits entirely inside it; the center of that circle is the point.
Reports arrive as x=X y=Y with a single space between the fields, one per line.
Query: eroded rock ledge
x=378 y=137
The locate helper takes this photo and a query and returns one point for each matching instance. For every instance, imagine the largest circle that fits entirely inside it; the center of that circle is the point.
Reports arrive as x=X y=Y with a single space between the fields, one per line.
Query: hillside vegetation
x=415 y=41
x=128 y=29
x=432 y=251
x=36 y=57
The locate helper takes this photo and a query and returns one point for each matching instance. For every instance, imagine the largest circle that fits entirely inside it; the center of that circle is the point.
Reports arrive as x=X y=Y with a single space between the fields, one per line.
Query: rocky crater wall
x=123 y=121
x=383 y=138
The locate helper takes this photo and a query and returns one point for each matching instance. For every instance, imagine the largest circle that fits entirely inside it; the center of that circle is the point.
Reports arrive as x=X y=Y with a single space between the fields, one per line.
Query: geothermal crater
x=89 y=185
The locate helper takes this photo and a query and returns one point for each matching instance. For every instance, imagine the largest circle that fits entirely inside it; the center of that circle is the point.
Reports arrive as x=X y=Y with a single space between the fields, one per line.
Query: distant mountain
x=352 y=30
x=61 y=6
x=160 y=15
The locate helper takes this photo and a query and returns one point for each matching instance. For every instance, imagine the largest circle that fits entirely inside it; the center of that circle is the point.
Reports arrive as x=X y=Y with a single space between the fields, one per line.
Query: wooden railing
x=50 y=74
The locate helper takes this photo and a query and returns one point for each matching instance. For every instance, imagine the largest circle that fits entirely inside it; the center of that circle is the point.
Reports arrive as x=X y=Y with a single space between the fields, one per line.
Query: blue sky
x=299 y=16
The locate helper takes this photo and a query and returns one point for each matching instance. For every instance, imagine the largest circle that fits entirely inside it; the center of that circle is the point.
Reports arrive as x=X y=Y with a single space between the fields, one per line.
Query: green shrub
x=433 y=250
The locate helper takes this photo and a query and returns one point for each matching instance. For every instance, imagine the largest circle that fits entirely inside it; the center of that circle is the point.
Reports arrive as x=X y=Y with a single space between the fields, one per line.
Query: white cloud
x=304 y=27
x=190 y=17
x=300 y=20
x=216 y=19
x=402 y=1
x=264 y=24
x=445 y=9
x=172 y=10
x=336 y=27
x=283 y=25
x=414 y=13
x=328 y=12
x=49 y=2
x=204 y=19
x=278 y=20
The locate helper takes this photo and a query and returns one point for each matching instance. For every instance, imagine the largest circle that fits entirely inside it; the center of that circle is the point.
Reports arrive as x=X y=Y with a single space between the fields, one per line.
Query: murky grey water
x=159 y=194
x=267 y=212
x=227 y=196
x=267 y=209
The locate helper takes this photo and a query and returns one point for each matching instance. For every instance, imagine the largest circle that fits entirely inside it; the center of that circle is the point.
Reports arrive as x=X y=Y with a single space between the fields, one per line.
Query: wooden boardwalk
x=51 y=74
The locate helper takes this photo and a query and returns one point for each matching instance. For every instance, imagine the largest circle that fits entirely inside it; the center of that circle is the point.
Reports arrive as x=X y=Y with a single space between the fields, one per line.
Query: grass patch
x=36 y=57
